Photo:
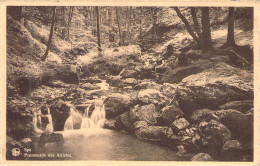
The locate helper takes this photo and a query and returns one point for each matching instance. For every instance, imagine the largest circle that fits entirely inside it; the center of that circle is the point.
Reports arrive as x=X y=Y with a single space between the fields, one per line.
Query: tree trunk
x=140 y=23
x=184 y=20
x=195 y=21
x=98 y=32
x=69 y=21
x=118 y=24
x=63 y=24
x=129 y=23
x=50 y=37
x=22 y=15
x=230 y=35
x=206 y=32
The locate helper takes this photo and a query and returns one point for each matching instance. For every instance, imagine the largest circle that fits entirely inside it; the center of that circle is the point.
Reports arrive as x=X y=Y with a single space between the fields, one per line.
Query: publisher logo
x=16 y=152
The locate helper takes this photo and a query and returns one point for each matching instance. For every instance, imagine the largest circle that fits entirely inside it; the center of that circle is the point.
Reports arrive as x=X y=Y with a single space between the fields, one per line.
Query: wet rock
x=232 y=150
x=179 y=125
x=238 y=123
x=60 y=112
x=213 y=135
x=202 y=157
x=242 y=106
x=140 y=124
x=153 y=96
x=19 y=118
x=88 y=86
x=110 y=124
x=116 y=104
x=50 y=137
x=154 y=133
x=214 y=87
x=145 y=113
x=147 y=85
x=169 y=114
x=128 y=119
x=168 y=89
x=26 y=142
x=202 y=115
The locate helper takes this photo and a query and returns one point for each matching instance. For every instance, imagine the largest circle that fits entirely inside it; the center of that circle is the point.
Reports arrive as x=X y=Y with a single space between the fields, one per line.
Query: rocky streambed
x=201 y=111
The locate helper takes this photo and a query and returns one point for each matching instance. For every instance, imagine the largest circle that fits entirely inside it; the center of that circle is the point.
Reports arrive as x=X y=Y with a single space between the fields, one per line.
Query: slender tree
x=140 y=19
x=69 y=21
x=184 y=20
x=22 y=15
x=118 y=24
x=195 y=21
x=206 y=30
x=98 y=31
x=230 y=35
x=50 y=37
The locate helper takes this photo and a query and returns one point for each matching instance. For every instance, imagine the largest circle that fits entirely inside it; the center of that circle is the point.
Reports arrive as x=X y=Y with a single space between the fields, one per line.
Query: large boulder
x=202 y=115
x=110 y=124
x=168 y=89
x=179 y=125
x=19 y=118
x=242 y=106
x=177 y=74
x=169 y=114
x=60 y=111
x=214 y=87
x=146 y=113
x=153 y=96
x=202 y=157
x=213 y=135
x=117 y=104
x=232 y=150
x=154 y=133
x=238 y=123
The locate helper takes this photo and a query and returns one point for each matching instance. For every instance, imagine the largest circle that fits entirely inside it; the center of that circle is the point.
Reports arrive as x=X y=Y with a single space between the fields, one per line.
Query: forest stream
x=92 y=142
x=141 y=88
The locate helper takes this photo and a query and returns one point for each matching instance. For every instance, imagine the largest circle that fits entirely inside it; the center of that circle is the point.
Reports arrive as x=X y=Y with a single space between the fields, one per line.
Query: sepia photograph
x=130 y=83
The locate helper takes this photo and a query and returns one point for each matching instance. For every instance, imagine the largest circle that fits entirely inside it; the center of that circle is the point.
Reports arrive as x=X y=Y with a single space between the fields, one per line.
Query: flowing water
x=106 y=144
x=86 y=139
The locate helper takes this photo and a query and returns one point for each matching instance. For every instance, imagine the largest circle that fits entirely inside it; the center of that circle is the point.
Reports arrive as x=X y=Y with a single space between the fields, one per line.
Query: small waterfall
x=49 y=127
x=37 y=122
x=86 y=121
x=74 y=120
x=36 y=119
x=96 y=120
